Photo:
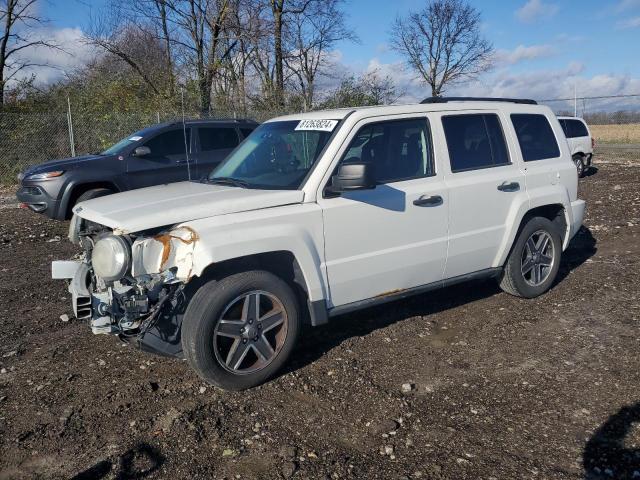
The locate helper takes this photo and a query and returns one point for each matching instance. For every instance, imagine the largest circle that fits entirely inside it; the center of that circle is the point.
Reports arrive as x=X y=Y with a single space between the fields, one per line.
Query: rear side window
x=169 y=143
x=535 y=136
x=217 y=138
x=576 y=129
x=475 y=141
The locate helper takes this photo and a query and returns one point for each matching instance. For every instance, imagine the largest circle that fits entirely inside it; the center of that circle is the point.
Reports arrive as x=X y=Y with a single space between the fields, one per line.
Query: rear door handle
x=509 y=187
x=432 y=201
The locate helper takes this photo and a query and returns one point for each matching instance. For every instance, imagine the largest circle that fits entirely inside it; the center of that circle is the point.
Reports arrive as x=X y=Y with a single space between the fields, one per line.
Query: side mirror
x=353 y=176
x=141 y=151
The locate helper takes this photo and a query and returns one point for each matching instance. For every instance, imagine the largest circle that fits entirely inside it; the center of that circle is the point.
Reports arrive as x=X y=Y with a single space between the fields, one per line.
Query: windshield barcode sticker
x=323 y=125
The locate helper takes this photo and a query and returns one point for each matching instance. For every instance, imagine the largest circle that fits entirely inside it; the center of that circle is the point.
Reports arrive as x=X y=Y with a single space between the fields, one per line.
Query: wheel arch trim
x=546 y=197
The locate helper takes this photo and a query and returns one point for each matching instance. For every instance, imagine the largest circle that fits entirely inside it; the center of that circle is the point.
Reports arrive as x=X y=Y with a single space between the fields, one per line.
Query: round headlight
x=111 y=258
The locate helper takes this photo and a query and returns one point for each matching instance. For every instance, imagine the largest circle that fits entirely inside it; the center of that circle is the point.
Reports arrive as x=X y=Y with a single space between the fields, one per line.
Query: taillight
x=593 y=143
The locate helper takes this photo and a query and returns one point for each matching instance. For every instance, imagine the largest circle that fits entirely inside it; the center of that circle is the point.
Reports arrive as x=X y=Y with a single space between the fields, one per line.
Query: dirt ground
x=501 y=388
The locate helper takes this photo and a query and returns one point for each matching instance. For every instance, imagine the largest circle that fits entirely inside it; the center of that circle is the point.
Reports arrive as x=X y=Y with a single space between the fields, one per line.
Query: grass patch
x=627 y=133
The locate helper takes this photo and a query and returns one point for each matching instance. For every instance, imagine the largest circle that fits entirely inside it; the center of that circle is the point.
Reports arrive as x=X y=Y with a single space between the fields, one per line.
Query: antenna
x=184 y=132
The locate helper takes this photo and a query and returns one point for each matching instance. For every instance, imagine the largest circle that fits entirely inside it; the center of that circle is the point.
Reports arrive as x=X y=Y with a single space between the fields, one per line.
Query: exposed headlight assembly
x=111 y=258
x=44 y=175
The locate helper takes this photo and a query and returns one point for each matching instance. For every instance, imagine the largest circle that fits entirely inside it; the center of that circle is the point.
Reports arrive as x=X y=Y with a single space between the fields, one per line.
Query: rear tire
x=532 y=265
x=580 y=167
x=93 y=193
x=231 y=346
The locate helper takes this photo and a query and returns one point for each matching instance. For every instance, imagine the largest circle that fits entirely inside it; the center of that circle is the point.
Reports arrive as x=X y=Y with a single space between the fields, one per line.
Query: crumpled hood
x=173 y=203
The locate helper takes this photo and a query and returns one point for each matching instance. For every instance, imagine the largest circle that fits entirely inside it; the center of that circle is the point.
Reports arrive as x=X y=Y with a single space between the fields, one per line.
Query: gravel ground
x=463 y=383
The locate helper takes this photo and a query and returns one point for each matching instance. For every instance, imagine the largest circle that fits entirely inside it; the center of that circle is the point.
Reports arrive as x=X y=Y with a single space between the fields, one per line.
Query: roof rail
x=477 y=99
x=212 y=119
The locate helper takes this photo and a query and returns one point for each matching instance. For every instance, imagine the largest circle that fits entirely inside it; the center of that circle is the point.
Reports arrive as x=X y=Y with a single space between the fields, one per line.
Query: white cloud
x=559 y=83
x=522 y=52
x=406 y=81
x=535 y=9
x=633 y=22
x=52 y=64
x=624 y=5
x=539 y=85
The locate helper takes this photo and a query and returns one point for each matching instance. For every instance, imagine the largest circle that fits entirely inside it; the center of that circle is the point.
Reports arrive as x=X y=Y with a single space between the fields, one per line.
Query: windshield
x=125 y=142
x=277 y=155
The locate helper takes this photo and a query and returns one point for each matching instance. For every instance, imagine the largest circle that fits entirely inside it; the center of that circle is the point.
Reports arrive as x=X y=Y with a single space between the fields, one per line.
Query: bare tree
x=312 y=33
x=442 y=43
x=368 y=89
x=204 y=23
x=126 y=42
x=281 y=10
x=18 y=18
x=245 y=28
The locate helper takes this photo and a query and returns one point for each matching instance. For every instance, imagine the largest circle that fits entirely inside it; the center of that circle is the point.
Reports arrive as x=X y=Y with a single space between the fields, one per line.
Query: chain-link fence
x=32 y=138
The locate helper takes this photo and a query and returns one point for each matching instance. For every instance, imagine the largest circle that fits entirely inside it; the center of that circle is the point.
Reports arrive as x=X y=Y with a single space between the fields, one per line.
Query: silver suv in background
x=581 y=143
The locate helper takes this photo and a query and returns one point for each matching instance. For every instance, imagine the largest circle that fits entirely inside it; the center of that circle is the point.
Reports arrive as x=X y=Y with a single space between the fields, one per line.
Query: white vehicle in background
x=322 y=213
x=581 y=143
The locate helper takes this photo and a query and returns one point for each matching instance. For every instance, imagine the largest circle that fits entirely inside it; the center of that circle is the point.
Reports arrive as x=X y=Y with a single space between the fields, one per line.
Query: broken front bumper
x=78 y=273
x=161 y=336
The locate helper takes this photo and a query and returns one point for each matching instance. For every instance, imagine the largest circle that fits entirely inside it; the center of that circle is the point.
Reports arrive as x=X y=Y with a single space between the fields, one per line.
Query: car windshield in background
x=277 y=155
x=122 y=144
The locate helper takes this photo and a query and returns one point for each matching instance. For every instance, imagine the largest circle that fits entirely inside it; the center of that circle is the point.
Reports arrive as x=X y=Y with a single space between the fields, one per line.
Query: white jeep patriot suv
x=322 y=213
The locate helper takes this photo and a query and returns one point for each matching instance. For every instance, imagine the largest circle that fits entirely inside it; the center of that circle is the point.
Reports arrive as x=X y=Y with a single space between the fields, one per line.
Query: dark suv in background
x=152 y=156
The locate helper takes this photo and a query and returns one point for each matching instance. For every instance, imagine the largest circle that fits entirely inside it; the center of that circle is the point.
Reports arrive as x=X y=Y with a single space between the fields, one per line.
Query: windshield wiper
x=229 y=181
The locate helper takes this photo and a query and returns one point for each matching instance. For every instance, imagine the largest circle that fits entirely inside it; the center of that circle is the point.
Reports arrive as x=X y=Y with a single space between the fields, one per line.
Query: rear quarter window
x=577 y=129
x=535 y=136
x=217 y=138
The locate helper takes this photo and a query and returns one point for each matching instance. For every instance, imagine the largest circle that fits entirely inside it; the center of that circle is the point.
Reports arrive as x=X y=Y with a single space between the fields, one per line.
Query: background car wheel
x=534 y=261
x=239 y=331
x=93 y=193
x=579 y=161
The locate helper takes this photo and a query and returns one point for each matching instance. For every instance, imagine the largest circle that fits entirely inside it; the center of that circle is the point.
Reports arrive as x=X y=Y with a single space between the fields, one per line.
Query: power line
x=589 y=98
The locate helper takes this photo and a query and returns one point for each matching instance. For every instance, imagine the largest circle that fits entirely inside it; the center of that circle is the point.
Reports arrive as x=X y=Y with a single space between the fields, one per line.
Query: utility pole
x=575 y=100
x=70 y=125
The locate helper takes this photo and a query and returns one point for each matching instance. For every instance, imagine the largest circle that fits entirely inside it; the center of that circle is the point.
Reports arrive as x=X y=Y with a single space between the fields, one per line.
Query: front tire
x=238 y=332
x=532 y=265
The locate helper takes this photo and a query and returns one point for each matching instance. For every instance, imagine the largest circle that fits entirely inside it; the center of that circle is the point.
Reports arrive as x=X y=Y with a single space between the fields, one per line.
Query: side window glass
x=246 y=132
x=398 y=150
x=565 y=129
x=217 y=138
x=475 y=141
x=577 y=129
x=169 y=143
x=535 y=136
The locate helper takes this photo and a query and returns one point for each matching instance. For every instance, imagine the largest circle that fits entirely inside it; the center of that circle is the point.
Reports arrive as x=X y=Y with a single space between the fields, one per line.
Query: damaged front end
x=131 y=285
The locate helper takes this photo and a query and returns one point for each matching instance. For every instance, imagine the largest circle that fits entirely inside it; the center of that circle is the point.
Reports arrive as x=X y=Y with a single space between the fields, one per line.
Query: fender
x=293 y=228
x=548 y=195
x=79 y=182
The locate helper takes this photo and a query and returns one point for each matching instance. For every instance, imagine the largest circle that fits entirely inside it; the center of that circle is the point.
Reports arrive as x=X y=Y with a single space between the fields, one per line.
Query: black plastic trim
x=525 y=101
x=318 y=313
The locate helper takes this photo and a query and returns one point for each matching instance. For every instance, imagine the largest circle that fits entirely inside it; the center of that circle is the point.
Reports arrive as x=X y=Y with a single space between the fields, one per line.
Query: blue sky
x=544 y=47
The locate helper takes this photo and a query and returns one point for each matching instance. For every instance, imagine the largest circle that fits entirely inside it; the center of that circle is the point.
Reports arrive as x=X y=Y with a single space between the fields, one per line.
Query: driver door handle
x=432 y=201
x=509 y=187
